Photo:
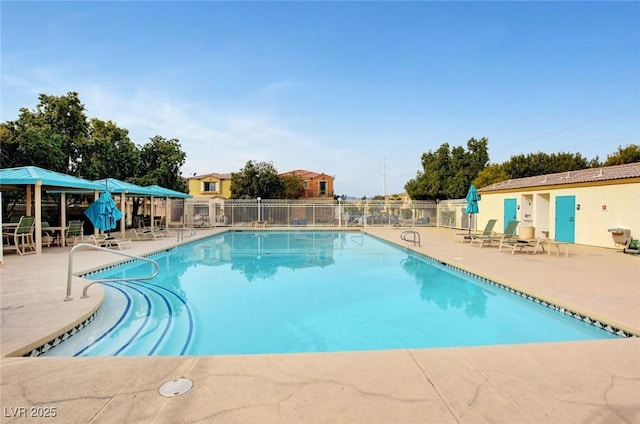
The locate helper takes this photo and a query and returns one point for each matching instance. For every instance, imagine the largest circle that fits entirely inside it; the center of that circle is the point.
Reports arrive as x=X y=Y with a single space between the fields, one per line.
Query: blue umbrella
x=472 y=202
x=103 y=213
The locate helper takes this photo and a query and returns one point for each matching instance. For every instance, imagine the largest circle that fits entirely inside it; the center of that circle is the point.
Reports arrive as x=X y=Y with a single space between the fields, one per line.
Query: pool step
x=158 y=323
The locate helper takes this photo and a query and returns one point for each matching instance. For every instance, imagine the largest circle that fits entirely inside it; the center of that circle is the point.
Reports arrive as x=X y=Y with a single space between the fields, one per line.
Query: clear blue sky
x=358 y=90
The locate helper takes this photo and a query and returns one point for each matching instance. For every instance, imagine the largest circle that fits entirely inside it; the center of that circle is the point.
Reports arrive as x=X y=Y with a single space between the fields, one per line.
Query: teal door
x=510 y=211
x=566 y=218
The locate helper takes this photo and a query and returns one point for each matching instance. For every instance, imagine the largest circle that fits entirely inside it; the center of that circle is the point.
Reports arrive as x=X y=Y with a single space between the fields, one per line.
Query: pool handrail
x=104 y=280
x=411 y=236
x=180 y=233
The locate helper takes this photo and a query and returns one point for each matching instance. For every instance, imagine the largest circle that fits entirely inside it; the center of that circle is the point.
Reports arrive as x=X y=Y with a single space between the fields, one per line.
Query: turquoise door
x=566 y=218
x=510 y=211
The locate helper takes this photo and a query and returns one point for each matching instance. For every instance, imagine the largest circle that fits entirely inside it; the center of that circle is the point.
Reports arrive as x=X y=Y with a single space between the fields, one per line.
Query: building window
x=210 y=186
x=305 y=185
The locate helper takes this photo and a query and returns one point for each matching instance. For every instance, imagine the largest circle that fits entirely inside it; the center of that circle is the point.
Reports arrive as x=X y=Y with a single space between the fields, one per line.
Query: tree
x=108 y=153
x=29 y=142
x=491 y=174
x=627 y=154
x=447 y=173
x=293 y=187
x=258 y=179
x=533 y=164
x=160 y=163
x=65 y=117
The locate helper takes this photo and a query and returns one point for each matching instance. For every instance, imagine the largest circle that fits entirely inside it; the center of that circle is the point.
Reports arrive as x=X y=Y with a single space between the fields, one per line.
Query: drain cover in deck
x=175 y=387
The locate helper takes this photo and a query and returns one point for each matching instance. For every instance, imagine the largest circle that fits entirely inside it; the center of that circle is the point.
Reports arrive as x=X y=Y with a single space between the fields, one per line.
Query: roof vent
x=599 y=173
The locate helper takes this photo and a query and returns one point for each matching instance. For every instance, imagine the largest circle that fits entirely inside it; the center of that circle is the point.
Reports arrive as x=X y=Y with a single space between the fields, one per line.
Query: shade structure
x=472 y=202
x=117 y=186
x=103 y=213
x=165 y=192
x=36 y=180
x=32 y=175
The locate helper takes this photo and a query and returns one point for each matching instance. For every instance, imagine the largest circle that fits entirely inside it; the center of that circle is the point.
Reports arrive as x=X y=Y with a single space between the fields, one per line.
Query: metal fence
x=300 y=213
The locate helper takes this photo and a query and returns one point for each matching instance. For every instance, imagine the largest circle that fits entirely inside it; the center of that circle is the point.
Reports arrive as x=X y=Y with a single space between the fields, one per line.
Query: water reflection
x=445 y=289
x=261 y=255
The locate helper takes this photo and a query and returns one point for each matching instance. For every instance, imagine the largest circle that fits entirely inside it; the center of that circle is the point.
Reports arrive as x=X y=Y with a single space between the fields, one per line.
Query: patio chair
x=110 y=242
x=21 y=235
x=147 y=234
x=74 y=232
x=521 y=245
x=47 y=235
x=488 y=231
x=509 y=233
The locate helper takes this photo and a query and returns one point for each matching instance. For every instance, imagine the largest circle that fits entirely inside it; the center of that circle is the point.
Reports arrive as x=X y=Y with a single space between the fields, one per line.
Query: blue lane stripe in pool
x=189 y=314
x=310 y=291
x=142 y=325
x=170 y=313
x=112 y=328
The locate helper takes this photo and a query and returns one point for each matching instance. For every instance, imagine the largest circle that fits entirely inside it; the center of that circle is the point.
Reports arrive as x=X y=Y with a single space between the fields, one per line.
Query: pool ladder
x=411 y=236
x=180 y=233
x=104 y=280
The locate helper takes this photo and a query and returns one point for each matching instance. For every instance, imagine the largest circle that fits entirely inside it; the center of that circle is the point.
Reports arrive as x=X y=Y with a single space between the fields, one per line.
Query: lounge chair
x=147 y=234
x=488 y=231
x=521 y=245
x=509 y=233
x=74 y=233
x=21 y=235
x=110 y=242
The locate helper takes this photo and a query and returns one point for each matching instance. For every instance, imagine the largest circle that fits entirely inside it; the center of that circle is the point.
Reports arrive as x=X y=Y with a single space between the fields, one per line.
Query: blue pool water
x=286 y=292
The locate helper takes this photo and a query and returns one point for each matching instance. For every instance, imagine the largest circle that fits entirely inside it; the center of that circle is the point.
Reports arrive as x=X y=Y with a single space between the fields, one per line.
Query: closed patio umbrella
x=103 y=213
x=472 y=202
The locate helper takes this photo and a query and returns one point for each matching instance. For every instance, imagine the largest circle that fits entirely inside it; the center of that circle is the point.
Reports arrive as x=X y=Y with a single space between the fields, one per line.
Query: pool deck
x=577 y=382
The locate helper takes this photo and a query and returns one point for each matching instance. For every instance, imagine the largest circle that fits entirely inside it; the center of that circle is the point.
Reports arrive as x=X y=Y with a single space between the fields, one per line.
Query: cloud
x=215 y=139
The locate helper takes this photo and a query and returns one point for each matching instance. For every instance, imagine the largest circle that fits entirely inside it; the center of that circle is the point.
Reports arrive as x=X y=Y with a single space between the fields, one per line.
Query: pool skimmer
x=175 y=387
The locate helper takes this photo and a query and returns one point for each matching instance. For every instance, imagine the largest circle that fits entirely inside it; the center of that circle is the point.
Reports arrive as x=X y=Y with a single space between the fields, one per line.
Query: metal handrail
x=415 y=237
x=180 y=233
x=105 y=280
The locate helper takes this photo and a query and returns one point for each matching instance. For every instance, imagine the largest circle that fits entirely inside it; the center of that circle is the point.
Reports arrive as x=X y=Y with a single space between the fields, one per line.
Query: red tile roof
x=302 y=173
x=606 y=173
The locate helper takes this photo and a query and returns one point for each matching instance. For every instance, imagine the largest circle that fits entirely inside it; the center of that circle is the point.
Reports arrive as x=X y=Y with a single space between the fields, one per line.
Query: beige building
x=596 y=206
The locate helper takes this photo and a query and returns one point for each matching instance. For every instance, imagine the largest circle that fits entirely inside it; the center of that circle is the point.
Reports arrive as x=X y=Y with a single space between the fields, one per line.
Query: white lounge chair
x=110 y=242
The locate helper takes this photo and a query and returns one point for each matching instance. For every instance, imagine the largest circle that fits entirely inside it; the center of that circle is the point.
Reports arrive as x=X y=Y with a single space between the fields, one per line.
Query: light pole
x=259 y=199
x=339 y=212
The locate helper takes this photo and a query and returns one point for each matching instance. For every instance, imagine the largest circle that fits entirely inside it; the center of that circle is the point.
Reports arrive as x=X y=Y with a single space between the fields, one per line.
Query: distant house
x=576 y=206
x=213 y=186
x=315 y=185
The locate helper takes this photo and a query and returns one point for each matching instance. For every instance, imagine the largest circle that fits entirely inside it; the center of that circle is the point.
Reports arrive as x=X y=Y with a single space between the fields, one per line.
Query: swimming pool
x=245 y=292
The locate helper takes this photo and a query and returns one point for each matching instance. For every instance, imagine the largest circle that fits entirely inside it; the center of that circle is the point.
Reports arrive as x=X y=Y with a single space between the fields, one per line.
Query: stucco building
x=316 y=185
x=213 y=186
x=576 y=206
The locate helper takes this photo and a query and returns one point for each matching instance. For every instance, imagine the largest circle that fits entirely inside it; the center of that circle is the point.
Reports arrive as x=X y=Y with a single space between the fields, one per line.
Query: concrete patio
x=594 y=382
